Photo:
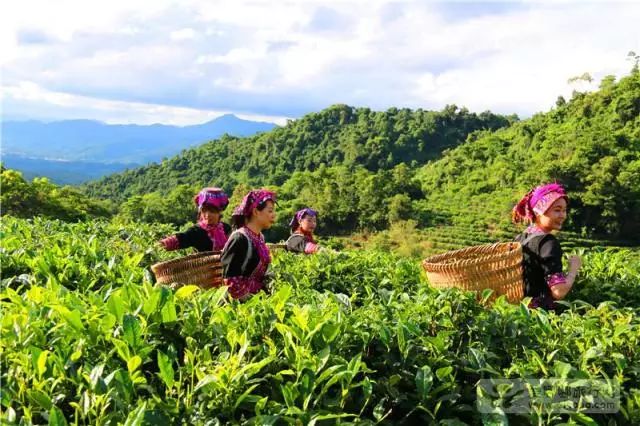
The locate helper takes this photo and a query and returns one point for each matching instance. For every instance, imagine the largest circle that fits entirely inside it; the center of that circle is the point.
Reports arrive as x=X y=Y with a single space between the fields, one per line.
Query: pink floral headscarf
x=537 y=202
x=214 y=197
x=251 y=201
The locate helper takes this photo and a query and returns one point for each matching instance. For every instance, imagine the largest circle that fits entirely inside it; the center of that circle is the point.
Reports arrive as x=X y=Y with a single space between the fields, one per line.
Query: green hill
x=339 y=135
x=39 y=197
x=366 y=170
x=591 y=144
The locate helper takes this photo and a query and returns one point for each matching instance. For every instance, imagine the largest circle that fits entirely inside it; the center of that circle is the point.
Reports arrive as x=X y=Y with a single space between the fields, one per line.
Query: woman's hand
x=560 y=291
x=575 y=263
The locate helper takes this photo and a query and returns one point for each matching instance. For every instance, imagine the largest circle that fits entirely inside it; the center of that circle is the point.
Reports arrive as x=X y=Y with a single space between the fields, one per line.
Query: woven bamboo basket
x=490 y=266
x=278 y=246
x=202 y=269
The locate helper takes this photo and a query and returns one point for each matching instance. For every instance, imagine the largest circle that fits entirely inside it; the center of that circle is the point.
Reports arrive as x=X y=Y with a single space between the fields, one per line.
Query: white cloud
x=196 y=58
x=37 y=100
x=183 y=34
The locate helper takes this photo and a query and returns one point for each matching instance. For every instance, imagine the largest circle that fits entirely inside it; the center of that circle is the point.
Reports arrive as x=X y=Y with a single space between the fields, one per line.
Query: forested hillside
x=39 y=197
x=365 y=170
x=339 y=135
x=591 y=144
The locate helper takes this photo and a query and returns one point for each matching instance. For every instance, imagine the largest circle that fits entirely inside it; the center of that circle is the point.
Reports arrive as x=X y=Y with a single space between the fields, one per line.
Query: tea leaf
x=133 y=363
x=166 y=369
x=132 y=332
x=56 y=418
x=40 y=398
x=42 y=363
x=424 y=381
x=186 y=291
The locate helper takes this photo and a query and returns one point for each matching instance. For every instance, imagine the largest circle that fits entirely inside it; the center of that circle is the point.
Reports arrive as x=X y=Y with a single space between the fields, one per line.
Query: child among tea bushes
x=544 y=208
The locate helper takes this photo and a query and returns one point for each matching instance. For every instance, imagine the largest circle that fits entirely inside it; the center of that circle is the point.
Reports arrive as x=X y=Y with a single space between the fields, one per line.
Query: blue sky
x=127 y=61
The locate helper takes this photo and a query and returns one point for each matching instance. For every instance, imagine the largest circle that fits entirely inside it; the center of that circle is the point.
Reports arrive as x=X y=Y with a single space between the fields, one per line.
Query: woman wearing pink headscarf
x=245 y=258
x=544 y=208
x=210 y=233
x=302 y=226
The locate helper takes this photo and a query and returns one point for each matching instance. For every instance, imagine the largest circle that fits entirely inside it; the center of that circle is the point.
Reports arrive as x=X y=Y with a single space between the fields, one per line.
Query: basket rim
x=183 y=259
x=515 y=248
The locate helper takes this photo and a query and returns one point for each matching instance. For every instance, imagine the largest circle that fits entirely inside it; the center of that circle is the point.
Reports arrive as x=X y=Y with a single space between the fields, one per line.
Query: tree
x=18 y=198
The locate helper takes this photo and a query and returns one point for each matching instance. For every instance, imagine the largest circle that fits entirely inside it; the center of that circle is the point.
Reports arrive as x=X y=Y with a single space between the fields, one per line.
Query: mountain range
x=73 y=151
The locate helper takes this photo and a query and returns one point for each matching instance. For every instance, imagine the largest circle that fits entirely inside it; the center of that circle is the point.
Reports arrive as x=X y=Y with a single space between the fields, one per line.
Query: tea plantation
x=353 y=337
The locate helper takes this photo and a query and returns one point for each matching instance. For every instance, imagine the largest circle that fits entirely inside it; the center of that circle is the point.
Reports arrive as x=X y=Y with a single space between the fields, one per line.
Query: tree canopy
x=366 y=170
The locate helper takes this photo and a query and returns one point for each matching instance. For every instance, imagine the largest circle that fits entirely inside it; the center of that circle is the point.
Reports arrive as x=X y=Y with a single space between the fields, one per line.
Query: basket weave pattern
x=202 y=269
x=490 y=266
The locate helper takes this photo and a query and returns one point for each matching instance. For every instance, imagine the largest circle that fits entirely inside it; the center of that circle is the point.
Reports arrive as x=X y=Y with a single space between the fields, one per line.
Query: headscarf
x=251 y=201
x=537 y=202
x=214 y=197
x=300 y=214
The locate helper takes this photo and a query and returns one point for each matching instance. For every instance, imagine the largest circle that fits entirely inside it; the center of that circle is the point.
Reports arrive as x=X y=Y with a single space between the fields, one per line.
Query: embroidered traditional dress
x=542 y=266
x=203 y=237
x=246 y=257
x=542 y=254
x=245 y=260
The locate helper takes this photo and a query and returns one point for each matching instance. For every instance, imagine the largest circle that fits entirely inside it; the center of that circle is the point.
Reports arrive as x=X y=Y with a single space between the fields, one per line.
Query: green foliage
x=366 y=170
x=591 y=144
x=42 y=198
x=348 y=199
x=609 y=275
x=339 y=135
x=407 y=239
x=353 y=337
x=83 y=256
x=176 y=207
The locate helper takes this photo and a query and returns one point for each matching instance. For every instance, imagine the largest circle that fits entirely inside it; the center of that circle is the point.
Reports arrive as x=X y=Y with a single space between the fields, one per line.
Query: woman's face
x=308 y=223
x=210 y=215
x=554 y=217
x=266 y=217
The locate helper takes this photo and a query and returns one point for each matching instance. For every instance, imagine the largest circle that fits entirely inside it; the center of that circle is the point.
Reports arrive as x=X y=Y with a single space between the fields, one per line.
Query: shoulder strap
x=249 y=248
x=531 y=237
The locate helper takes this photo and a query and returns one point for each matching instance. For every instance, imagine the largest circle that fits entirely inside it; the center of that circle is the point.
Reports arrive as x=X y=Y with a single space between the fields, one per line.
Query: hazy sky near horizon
x=187 y=62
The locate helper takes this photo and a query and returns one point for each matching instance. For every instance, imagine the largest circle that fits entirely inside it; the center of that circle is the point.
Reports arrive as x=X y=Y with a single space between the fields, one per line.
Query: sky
x=186 y=62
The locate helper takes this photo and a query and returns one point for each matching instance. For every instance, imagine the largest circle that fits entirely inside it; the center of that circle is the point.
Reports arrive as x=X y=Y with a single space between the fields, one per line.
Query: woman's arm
x=181 y=240
x=296 y=243
x=560 y=290
x=170 y=243
x=311 y=248
x=559 y=283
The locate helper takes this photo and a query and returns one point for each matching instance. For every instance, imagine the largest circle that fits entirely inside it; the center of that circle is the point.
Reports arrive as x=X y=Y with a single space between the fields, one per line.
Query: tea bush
x=349 y=337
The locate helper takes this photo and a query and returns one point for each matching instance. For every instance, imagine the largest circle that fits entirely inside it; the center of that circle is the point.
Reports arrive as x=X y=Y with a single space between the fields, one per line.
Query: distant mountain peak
x=91 y=140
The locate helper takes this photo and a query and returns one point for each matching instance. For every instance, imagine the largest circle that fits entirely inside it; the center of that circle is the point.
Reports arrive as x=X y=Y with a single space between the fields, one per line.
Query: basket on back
x=202 y=269
x=490 y=266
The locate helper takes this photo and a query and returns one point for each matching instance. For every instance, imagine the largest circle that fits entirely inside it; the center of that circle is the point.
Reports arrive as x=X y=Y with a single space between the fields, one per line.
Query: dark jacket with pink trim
x=542 y=267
